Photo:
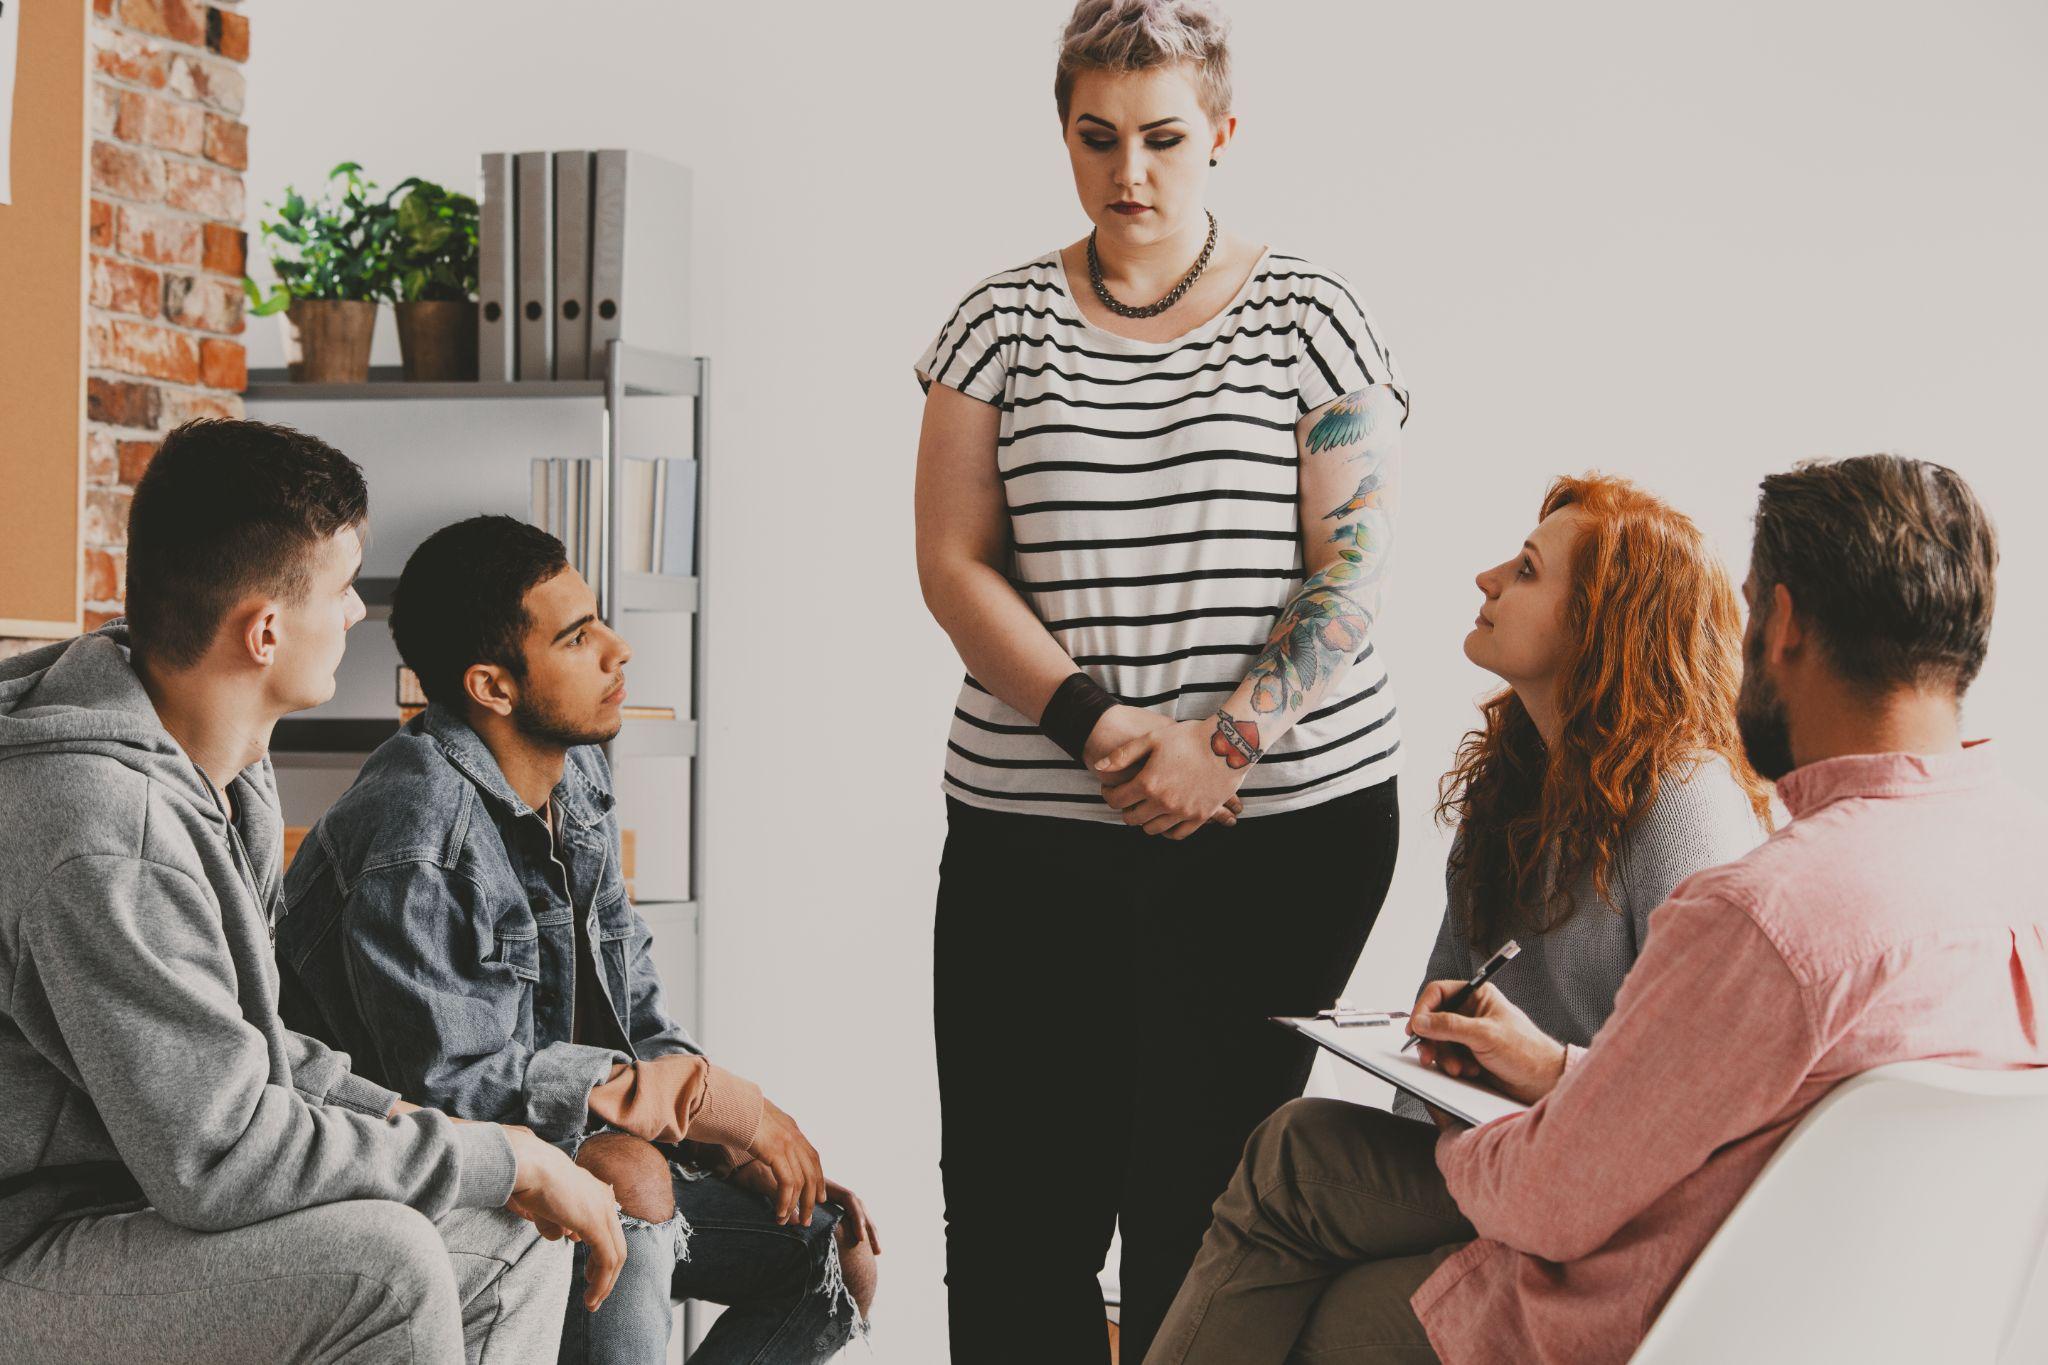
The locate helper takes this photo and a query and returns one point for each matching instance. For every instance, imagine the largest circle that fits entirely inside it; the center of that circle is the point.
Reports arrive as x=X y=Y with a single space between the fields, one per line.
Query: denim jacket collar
x=582 y=798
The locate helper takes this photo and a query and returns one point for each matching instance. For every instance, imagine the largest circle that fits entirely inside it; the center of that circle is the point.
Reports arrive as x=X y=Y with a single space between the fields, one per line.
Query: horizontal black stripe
x=1170 y=462
x=1387 y=752
x=1272 y=329
x=1161 y=618
x=1352 y=700
x=991 y=726
x=1135 y=405
x=1200 y=419
x=985 y=761
x=991 y=284
x=1296 y=755
x=1040 y=547
x=1171 y=656
x=1022 y=796
x=1147 y=580
x=1170 y=500
x=1227 y=685
x=1284 y=362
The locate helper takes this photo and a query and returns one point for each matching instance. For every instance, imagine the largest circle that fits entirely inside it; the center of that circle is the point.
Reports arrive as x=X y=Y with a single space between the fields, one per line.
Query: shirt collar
x=582 y=799
x=1818 y=785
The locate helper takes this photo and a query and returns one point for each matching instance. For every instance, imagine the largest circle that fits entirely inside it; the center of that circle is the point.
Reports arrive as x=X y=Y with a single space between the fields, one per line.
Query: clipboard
x=1378 y=1050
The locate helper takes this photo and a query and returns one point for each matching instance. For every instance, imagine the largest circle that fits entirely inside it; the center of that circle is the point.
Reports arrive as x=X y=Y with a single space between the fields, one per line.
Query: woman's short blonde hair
x=1136 y=35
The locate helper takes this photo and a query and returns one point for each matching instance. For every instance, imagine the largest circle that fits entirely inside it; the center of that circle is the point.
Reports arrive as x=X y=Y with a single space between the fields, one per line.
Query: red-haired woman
x=1606 y=772
x=1609 y=769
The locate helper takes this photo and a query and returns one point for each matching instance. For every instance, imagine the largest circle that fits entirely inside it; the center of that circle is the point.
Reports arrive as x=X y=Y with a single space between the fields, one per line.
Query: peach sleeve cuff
x=677 y=1097
x=729 y=1110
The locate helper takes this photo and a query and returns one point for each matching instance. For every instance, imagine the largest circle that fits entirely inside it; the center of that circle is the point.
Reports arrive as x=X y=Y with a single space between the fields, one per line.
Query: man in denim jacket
x=459 y=922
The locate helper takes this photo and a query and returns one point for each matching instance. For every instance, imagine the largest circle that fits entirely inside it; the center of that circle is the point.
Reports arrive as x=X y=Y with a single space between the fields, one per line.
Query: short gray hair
x=1136 y=35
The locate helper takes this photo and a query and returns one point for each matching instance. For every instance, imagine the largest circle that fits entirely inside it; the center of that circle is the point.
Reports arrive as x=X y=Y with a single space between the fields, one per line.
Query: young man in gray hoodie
x=181 y=1176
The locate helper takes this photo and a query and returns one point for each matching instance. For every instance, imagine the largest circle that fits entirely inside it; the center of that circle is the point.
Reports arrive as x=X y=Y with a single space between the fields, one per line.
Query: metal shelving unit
x=630 y=372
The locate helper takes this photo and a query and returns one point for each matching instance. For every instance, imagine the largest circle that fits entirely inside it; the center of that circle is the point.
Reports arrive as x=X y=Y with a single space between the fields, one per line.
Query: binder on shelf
x=572 y=265
x=533 y=233
x=676 y=548
x=639 y=253
x=494 y=258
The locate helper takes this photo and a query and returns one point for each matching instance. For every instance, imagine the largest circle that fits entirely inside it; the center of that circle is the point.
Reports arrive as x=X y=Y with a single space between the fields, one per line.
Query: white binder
x=639 y=254
x=572 y=265
x=494 y=259
x=535 y=237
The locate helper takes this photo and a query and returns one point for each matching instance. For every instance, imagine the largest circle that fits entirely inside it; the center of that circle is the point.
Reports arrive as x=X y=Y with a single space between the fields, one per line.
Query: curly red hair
x=1648 y=683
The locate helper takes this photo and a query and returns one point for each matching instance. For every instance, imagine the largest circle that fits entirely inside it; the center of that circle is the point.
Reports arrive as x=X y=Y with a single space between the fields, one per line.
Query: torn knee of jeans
x=672 y=1234
x=832 y=1284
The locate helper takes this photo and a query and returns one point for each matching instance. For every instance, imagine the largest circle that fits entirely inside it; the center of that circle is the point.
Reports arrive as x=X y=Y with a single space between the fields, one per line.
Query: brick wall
x=167 y=246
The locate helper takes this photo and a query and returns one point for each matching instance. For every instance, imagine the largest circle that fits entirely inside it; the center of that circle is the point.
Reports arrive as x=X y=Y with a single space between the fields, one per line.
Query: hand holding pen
x=1463 y=995
x=1491 y=1040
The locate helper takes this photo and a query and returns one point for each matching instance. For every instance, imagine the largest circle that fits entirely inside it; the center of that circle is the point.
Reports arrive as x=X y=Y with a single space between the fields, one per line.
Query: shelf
x=656 y=739
x=357 y=737
x=649 y=592
x=648 y=374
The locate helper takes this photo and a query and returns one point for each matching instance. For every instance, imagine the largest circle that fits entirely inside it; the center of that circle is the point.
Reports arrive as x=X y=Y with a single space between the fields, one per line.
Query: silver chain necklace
x=1121 y=309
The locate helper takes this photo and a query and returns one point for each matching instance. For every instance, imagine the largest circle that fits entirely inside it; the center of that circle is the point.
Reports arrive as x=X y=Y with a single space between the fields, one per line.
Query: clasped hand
x=1162 y=774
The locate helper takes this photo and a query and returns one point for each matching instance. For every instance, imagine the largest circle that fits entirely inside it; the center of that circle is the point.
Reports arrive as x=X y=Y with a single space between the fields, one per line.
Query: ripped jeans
x=785 y=1301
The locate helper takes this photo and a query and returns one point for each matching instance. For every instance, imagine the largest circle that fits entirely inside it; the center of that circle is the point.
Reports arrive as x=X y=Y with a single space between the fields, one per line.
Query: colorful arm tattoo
x=1235 y=741
x=1325 y=625
x=1345 y=422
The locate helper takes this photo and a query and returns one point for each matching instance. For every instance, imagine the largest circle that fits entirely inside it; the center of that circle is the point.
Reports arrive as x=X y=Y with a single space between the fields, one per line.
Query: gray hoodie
x=141 y=1056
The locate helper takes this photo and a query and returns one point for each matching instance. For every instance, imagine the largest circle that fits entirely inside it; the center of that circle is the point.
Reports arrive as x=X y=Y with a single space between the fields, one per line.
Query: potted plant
x=332 y=258
x=434 y=265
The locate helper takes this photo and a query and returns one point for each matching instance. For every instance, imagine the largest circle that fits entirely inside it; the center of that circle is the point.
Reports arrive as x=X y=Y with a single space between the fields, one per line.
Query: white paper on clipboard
x=10 y=29
x=1378 y=1050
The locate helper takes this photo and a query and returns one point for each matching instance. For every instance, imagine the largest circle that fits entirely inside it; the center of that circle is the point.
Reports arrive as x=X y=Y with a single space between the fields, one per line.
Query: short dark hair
x=462 y=600
x=227 y=508
x=1894 y=561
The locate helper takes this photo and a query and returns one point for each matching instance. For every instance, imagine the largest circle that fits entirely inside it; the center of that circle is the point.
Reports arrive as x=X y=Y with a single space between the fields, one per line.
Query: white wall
x=1690 y=245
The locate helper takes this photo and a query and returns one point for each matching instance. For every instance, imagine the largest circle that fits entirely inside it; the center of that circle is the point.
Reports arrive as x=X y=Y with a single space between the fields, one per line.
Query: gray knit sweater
x=1566 y=980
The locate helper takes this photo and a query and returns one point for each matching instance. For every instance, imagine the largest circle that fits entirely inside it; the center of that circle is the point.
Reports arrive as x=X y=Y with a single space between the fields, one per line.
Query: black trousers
x=1101 y=999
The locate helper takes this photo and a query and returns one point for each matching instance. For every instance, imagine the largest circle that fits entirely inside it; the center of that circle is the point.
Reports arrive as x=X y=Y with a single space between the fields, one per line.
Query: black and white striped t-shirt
x=1153 y=508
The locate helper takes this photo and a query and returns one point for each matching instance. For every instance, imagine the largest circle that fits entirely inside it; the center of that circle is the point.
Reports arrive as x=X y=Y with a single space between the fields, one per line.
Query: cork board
x=42 y=325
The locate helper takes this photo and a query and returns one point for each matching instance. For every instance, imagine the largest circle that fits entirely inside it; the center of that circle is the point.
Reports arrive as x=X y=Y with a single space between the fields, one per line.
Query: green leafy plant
x=335 y=247
x=434 y=251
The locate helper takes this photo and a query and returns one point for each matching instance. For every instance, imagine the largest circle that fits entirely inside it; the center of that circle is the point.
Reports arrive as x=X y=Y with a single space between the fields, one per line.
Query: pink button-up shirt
x=1899 y=916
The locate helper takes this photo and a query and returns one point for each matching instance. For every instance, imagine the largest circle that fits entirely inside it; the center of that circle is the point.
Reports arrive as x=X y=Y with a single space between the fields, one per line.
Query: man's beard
x=1760 y=717
x=537 y=722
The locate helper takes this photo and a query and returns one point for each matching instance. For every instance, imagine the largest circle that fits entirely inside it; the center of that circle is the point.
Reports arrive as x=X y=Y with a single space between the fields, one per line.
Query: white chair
x=1902 y=1221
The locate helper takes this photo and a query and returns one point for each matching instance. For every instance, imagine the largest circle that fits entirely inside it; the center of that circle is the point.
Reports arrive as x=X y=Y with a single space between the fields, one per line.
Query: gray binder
x=535 y=237
x=572 y=265
x=639 y=254
x=495 y=291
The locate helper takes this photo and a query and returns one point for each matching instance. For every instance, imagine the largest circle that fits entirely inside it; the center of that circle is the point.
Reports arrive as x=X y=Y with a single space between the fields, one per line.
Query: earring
x=1212 y=161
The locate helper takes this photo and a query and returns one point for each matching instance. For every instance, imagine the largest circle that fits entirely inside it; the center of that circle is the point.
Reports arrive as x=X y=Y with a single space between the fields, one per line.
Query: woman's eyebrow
x=1159 y=123
x=1090 y=118
x=1530 y=546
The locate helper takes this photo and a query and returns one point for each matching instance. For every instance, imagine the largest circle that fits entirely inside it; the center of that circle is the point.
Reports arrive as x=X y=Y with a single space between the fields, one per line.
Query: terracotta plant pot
x=437 y=340
x=327 y=341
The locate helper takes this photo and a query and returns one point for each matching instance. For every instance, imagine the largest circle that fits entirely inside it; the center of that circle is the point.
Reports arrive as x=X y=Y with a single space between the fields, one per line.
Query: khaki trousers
x=1336 y=1215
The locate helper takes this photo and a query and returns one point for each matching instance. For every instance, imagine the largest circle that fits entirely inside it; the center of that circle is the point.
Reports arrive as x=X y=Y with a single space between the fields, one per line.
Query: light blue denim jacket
x=429 y=931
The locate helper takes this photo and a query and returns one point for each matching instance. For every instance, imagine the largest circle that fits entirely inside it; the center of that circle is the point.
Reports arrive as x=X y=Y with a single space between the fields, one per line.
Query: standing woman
x=1154 y=512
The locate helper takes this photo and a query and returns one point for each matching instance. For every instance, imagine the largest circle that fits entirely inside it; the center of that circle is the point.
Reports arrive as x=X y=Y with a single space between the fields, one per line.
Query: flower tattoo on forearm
x=1326 y=623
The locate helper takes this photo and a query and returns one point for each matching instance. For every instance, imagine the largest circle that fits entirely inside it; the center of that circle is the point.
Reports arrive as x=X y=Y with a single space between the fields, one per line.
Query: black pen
x=1464 y=993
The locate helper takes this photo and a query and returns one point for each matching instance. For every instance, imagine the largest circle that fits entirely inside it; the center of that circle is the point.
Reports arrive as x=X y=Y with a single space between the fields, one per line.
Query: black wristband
x=1071 y=714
